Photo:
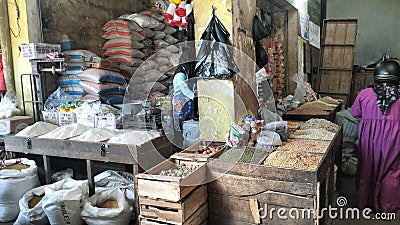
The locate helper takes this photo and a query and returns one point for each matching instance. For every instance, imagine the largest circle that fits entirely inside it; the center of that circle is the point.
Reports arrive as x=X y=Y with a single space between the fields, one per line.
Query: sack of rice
x=129 y=61
x=113 y=34
x=109 y=207
x=148 y=33
x=18 y=177
x=62 y=202
x=122 y=43
x=141 y=20
x=121 y=25
x=31 y=211
x=134 y=53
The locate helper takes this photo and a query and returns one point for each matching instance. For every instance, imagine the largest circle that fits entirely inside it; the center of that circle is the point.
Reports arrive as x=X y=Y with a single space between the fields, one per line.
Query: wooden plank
x=174 y=211
x=254 y=210
x=196 y=219
x=235 y=185
x=238 y=208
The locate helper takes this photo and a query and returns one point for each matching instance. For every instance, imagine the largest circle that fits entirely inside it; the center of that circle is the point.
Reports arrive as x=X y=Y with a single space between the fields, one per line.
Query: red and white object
x=169 y=14
x=181 y=9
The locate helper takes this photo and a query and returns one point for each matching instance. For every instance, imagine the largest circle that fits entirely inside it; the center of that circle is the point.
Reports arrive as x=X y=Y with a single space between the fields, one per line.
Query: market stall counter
x=315 y=109
x=288 y=179
x=141 y=156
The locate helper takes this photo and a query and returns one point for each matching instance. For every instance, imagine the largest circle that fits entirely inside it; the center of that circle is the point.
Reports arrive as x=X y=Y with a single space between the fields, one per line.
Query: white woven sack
x=94 y=215
x=13 y=185
x=62 y=202
x=35 y=215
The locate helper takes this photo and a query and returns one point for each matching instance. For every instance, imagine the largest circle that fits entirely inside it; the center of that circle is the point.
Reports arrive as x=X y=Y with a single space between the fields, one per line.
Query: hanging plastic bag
x=259 y=30
x=8 y=105
x=261 y=55
x=215 y=59
x=300 y=92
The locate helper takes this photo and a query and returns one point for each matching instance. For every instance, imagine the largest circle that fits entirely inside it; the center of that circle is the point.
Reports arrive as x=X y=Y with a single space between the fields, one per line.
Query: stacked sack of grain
x=68 y=81
x=98 y=83
x=152 y=48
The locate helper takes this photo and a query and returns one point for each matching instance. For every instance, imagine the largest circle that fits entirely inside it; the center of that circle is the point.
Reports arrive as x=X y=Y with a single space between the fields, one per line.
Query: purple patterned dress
x=378 y=175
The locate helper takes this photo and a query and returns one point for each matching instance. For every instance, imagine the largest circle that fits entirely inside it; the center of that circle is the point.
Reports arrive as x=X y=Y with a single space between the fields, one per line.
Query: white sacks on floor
x=31 y=211
x=109 y=207
x=14 y=183
x=63 y=201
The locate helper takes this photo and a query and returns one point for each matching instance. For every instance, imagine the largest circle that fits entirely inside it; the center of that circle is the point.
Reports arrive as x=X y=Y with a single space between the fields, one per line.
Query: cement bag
x=62 y=201
x=31 y=211
x=108 y=207
x=15 y=181
x=129 y=61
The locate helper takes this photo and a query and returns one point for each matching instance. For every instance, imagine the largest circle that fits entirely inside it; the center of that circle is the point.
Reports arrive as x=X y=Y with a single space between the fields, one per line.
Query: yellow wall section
x=203 y=14
x=20 y=65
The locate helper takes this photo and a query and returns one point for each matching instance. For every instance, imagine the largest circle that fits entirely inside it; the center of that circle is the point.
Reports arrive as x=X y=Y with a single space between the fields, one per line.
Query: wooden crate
x=360 y=81
x=189 y=155
x=168 y=188
x=330 y=115
x=178 y=212
x=198 y=218
x=231 y=201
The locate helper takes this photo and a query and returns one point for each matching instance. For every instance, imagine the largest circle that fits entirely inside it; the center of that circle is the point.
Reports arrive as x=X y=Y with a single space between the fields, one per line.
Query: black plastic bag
x=215 y=59
x=261 y=55
x=259 y=30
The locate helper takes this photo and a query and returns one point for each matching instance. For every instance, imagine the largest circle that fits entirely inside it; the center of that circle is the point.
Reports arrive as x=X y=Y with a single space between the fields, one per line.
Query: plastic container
x=191 y=133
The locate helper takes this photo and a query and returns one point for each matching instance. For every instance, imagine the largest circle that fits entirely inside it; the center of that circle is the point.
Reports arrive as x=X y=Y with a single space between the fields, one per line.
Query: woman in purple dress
x=378 y=175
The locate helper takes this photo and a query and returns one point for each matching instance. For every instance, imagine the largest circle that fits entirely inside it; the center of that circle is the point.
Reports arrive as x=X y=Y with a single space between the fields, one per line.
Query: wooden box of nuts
x=201 y=151
x=171 y=180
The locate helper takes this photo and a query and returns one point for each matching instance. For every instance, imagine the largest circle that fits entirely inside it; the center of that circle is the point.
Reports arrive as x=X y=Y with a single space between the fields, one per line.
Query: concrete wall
x=82 y=20
x=377 y=25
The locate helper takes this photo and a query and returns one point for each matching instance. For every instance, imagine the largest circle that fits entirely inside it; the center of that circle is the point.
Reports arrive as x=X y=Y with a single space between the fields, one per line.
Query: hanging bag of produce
x=16 y=178
x=215 y=59
x=109 y=207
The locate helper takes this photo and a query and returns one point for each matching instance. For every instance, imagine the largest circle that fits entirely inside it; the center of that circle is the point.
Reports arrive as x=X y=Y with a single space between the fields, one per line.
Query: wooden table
x=304 y=117
x=238 y=191
x=144 y=156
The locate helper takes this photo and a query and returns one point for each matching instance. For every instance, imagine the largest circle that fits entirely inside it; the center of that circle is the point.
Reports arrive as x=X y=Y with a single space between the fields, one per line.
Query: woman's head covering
x=180 y=84
x=386 y=86
x=387 y=71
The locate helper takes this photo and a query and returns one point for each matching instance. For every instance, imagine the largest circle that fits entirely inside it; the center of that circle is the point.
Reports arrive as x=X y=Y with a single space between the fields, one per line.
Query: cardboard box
x=14 y=124
x=37 y=50
x=97 y=62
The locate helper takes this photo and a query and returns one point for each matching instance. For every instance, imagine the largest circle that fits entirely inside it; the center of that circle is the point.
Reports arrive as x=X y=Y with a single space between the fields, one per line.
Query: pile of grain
x=300 y=111
x=315 y=134
x=18 y=166
x=108 y=204
x=245 y=155
x=35 y=200
x=317 y=105
x=294 y=124
x=329 y=100
x=304 y=145
x=320 y=124
x=179 y=171
x=294 y=160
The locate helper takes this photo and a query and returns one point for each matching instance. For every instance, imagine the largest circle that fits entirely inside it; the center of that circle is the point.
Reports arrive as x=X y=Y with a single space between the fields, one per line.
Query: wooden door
x=338 y=42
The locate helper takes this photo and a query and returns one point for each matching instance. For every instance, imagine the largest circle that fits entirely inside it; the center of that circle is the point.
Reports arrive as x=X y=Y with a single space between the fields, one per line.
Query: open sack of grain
x=31 y=211
x=18 y=177
x=108 y=207
x=62 y=202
